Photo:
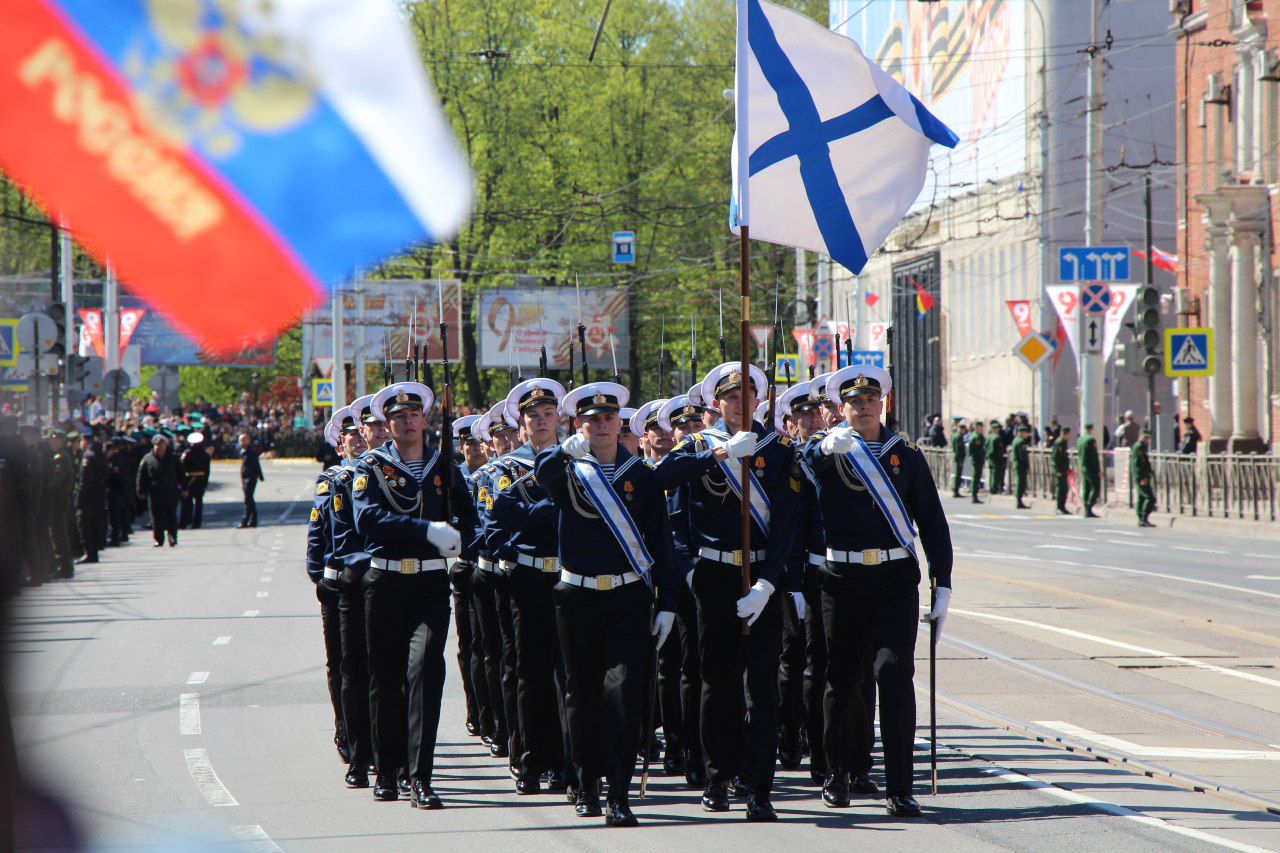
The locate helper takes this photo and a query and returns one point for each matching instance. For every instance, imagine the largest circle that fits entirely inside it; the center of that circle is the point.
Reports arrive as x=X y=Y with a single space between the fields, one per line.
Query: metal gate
x=917 y=344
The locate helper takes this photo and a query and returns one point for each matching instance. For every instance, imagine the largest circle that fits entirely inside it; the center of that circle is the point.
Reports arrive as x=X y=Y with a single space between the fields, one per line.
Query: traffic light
x=77 y=369
x=1147 y=329
x=58 y=313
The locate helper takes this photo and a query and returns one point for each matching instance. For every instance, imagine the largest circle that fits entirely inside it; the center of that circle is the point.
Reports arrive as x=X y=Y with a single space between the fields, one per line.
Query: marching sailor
x=400 y=495
x=709 y=463
x=874 y=491
x=615 y=558
x=474 y=454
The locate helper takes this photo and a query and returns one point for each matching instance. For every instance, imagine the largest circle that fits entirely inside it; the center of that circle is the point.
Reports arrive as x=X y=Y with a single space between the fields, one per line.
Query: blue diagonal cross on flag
x=836 y=149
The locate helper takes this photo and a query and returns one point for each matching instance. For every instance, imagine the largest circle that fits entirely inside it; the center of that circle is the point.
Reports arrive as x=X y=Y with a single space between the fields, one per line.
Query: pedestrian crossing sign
x=322 y=392
x=9 y=343
x=1188 y=352
x=786 y=367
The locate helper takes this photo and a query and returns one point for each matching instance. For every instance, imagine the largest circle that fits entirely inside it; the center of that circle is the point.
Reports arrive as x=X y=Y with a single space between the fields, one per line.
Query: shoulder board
x=322 y=487
x=697 y=438
x=504 y=483
x=909 y=445
x=343 y=476
x=784 y=441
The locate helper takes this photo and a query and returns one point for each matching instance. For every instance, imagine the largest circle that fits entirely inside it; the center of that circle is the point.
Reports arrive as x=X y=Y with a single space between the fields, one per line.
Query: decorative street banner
x=160 y=343
x=515 y=322
x=385 y=312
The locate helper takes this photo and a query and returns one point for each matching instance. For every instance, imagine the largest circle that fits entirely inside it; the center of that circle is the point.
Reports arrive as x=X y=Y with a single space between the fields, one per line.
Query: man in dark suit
x=250 y=474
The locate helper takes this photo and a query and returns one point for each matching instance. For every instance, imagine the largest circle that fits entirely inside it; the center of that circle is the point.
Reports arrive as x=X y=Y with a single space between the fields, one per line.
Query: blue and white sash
x=867 y=468
x=611 y=509
x=761 y=509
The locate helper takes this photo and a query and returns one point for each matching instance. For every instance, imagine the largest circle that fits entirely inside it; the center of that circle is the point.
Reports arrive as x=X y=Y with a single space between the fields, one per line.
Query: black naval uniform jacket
x=713 y=508
x=852 y=520
x=319 y=527
x=587 y=547
x=393 y=509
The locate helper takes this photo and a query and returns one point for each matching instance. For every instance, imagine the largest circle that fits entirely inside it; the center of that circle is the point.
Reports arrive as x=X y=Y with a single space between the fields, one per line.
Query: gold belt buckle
x=547 y=564
x=735 y=558
x=408 y=567
x=871 y=557
x=604 y=582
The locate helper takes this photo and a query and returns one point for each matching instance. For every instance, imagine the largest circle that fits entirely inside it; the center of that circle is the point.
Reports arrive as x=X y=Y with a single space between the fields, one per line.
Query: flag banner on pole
x=1166 y=261
x=1021 y=311
x=234 y=160
x=837 y=150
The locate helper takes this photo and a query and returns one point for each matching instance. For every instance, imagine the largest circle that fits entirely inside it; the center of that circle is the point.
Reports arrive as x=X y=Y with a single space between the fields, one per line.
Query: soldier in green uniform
x=1021 y=452
x=957 y=457
x=59 y=488
x=1143 y=477
x=1061 y=466
x=997 y=459
x=1090 y=470
x=978 y=455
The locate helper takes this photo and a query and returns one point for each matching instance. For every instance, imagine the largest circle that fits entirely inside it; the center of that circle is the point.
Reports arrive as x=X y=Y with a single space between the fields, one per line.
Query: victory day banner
x=379 y=317
x=514 y=323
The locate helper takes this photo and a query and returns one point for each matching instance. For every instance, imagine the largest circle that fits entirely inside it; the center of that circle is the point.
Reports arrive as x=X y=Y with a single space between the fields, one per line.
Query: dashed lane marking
x=1130 y=544
x=262 y=593
x=211 y=788
x=197 y=678
x=1137 y=749
x=257 y=839
x=1200 y=550
x=249 y=614
x=189 y=714
x=221 y=641
x=265 y=579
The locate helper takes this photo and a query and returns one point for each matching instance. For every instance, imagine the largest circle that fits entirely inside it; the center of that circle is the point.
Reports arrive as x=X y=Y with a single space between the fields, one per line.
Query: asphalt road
x=174 y=698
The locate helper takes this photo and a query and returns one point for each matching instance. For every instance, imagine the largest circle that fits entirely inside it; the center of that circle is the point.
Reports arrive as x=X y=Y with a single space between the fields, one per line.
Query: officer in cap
x=59 y=491
x=474 y=454
x=709 y=462
x=655 y=442
x=342 y=432
x=997 y=458
x=195 y=470
x=1020 y=451
x=399 y=496
x=708 y=412
x=830 y=408
x=159 y=481
x=616 y=559
x=959 y=452
x=630 y=440
x=870 y=580
x=1143 y=477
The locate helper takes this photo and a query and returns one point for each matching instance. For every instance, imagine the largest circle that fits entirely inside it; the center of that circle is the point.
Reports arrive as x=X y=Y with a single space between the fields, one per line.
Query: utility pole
x=1149 y=272
x=110 y=318
x=339 y=356
x=359 y=356
x=1092 y=376
x=802 y=317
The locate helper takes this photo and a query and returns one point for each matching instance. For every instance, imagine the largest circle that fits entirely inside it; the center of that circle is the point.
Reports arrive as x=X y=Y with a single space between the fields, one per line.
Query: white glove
x=447 y=540
x=798 y=598
x=740 y=445
x=661 y=628
x=688 y=579
x=839 y=440
x=751 y=605
x=938 y=614
x=576 y=445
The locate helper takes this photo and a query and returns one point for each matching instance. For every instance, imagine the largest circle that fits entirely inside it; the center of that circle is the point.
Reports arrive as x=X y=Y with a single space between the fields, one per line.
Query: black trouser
x=669 y=708
x=739 y=714
x=815 y=671
x=249 y=485
x=330 y=623
x=997 y=476
x=510 y=681
x=460 y=583
x=92 y=523
x=486 y=599
x=690 y=674
x=488 y=712
x=60 y=536
x=119 y=520
x=791 y=670
x=193 y=509
x=355 y=666
x=164 y=519
x=869 y=613
x=607 y=650
x=407 y=623
x=540 y=680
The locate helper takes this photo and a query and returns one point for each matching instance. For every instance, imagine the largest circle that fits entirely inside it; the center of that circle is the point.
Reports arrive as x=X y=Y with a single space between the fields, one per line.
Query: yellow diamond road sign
x=1033 y=350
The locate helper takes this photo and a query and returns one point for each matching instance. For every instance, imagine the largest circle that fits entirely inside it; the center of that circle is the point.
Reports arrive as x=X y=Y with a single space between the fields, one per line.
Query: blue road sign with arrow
x=1093 y=263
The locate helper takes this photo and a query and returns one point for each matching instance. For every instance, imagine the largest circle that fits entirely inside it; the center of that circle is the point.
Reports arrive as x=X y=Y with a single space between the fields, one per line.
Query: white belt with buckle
x=868 y=556
x=729 y=558
x=542 y=564
x=599 y=582
x=816 y=559
x=486 y=565
x=331 y=574
x=410 y=566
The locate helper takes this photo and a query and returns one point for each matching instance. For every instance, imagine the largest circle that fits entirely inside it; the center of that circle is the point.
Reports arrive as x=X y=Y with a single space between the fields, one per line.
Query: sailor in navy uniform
x=523 y=523
x=615 y=557
x=474 y=454
x=352 y=563
x=342 y=433
x=874 y=492
x=709 y=462
x=681 y=418
x=399 y=500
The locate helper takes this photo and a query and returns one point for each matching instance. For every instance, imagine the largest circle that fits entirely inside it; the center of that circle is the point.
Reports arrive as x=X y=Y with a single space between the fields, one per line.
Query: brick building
x=1228 y=127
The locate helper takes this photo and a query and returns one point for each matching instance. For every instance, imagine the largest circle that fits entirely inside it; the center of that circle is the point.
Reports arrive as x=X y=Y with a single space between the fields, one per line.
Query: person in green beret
x=1090 y=470
x=958 y=454
x=1021 y=453
x=997 y=459
x=1061 y=461
x=1143 y=476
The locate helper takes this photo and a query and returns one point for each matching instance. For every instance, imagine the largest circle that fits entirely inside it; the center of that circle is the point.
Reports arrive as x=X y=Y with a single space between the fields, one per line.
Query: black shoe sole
x=714 y=807
x=621 y=824
x=762 y=817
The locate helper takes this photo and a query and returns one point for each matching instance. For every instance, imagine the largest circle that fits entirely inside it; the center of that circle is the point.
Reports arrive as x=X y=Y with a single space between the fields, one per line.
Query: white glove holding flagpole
x=741 y=444
x=661 y=628
x=576 y=445
x=938 y=615
x=447 y=540
x=751 y=605
x=798 y=598
x=837 y=441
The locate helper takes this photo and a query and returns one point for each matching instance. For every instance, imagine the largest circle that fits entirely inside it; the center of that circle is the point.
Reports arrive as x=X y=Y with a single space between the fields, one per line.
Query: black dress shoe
x=555 y=781
x=158 y=545
x=902 y=805
x=587 y=803
x=242 y=525
x=472 y=729
x=835 y=793
x=817 y=775
x=498 y=749
x=357 y=778
x=716 y=798
x=1091 y=514
x=790 y=759
x=571 y=793
x=738 y=788
x=619 y=814
x=515 y=771
x=1021 y=505
x=385 y=789
x=672 y=764
x=527 y=785
x=403 y=785
x=422 y=797
x=694 y=775
x=340 y=741
x=862 y=783
x=759 y=809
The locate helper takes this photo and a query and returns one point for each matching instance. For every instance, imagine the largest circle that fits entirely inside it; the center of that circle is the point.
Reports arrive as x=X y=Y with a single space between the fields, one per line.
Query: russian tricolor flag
x=233 y=160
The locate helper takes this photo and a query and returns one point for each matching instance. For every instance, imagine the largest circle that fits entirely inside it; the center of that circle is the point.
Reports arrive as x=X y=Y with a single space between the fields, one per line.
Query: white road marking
x=1117 y=644
x=1263 y=577
x=265 y=579
x=189 y=714
x=1073 y=538
x=1201 y=550
x=197 y=678
x=1264 y=556
x=1062 y=548
x=221 y=641
x=1138 y=749
x=1121 y=811
x=249 y=614
x=257 y=839
x=268 y=569
x=1130 y=544
x=1125 y=533
x=262 y=593
x=215 y=793
x=1186 y=580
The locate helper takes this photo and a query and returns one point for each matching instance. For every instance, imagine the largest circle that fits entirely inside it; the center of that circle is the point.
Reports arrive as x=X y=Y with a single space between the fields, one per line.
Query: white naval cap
x=399 y=396
x=646 y=416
